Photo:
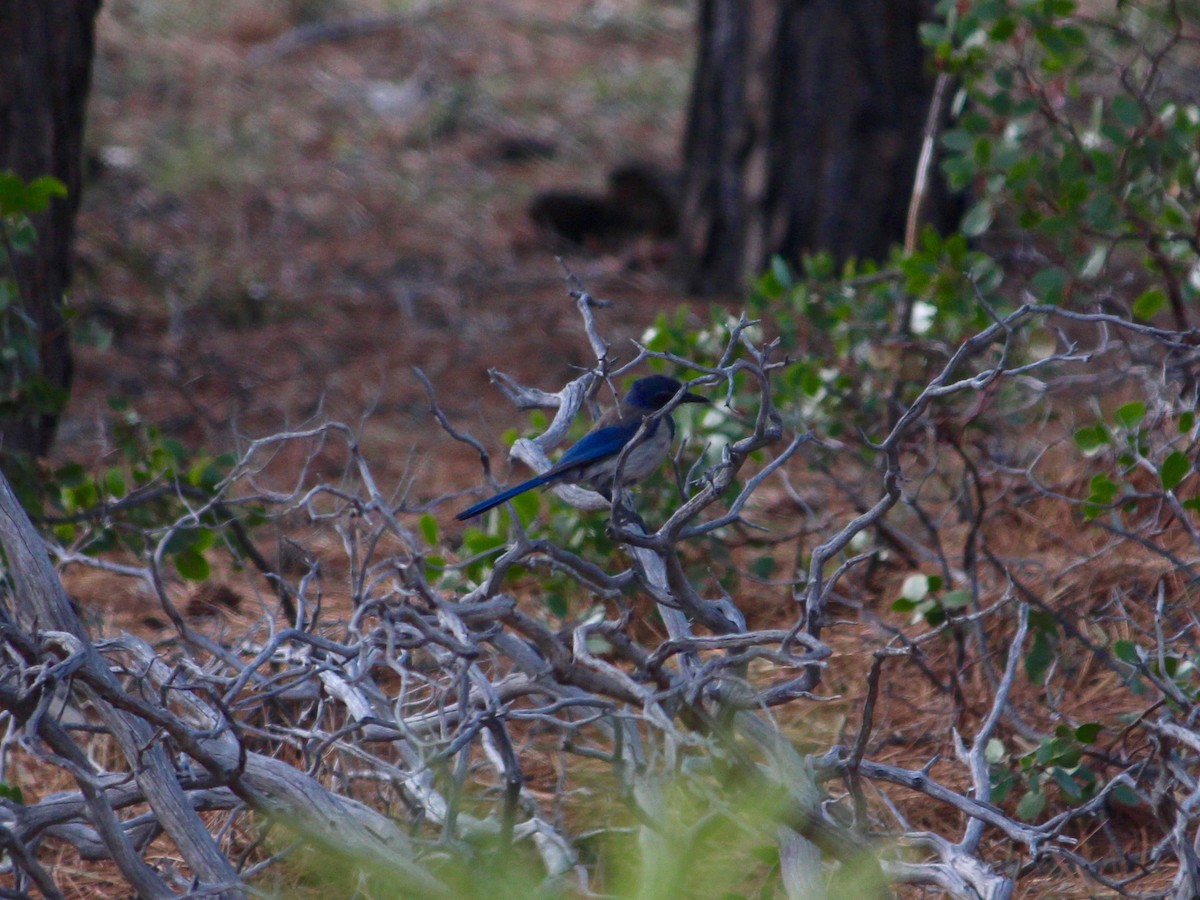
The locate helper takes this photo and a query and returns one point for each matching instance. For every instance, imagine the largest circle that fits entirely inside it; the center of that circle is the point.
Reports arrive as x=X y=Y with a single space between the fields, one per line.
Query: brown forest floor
x=270 y=238
x=276 y=239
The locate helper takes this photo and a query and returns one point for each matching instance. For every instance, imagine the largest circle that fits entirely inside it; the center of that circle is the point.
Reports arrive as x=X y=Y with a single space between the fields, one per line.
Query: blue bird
x=593 y=461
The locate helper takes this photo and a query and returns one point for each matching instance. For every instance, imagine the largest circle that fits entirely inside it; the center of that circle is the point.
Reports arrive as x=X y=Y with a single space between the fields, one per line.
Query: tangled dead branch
x=402 y=734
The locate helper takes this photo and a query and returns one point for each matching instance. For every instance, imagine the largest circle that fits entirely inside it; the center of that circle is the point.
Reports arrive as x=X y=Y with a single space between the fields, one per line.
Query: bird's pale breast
x=643 y=460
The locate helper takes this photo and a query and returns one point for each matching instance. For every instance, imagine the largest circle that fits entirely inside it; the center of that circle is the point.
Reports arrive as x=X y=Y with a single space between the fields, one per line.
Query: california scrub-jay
x=593 y=461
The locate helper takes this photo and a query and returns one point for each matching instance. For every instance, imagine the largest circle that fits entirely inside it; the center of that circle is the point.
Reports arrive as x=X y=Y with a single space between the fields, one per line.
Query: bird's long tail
x=492 y=502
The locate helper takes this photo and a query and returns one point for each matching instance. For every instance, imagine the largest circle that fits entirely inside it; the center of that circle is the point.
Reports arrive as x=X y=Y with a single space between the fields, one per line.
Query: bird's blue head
x=655 y=391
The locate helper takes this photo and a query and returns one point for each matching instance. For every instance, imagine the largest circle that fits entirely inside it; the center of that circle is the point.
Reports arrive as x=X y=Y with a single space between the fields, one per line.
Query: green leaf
x=1126 y=110
x=71 y=474
x=1130 y=415
x=932 y=33
x=1066 y=784
x=1002 y=784
x=1004 y=28
x=1063 y=752
x=655 y=338
x=20 y=198
x=781 y=272
x=1102 y=213
x=429 y=529
x=83 y=496
x=1103 y=488
x=1174 y=469
x=479 y=542
x=1088 y=732
x=956 y=599
x=1031 y=805
x=114 y=482
x=1125 y=795
x=958 y=141
x=203 y=474
x=1039 y=657
x=11 y=792
x=1103 y=492
x=12 y=194
x=1049 y=285
x=557 y=604
x=1147 y=305
x=1173 y=666
x=767 y=855
x=1091 y=438
x=192 y=565
x=959 y=171
x=811 y=383
x=978 y=219
x=176 y=449
x=763 y=567
x=527 y=506
x=204 y=539
x=1186 y=420
x=1126 y=651
x=41 y=190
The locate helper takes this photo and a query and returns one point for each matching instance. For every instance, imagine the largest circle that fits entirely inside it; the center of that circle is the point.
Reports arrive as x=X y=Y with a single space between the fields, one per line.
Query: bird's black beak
x=689 y=397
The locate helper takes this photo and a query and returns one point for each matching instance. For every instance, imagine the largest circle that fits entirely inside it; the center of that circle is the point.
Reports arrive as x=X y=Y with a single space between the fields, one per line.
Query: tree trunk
x=803 y=133
x=45 y=70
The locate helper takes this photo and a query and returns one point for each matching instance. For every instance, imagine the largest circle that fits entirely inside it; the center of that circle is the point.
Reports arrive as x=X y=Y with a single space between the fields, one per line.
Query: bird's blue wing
x=596 y=445
x=603 y=443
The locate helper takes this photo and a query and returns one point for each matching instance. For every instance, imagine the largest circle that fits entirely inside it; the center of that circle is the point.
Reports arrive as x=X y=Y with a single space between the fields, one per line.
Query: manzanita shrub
x=1073 y=130
x=150 y=478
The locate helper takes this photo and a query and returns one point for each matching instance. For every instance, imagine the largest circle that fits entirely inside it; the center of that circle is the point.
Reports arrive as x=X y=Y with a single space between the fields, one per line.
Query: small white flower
x=915 y=588
x=922 y=316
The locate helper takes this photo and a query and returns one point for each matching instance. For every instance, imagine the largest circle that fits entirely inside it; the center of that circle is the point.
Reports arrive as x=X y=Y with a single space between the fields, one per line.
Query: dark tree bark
x=803 y=133
x=46 y=51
